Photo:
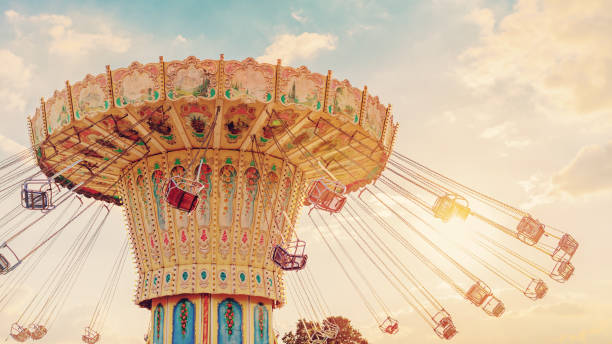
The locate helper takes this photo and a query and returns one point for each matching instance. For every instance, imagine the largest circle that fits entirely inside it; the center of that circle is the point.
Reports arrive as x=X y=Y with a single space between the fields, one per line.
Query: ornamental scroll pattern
x=344 y=101
x=38 y=127
x=136 y=84
x=203 y=211
x=58 y=111
x=227 y=190
x=300 y=86
x=90 y=96
x=191 y=78
x=249 y=80
x=374 y=117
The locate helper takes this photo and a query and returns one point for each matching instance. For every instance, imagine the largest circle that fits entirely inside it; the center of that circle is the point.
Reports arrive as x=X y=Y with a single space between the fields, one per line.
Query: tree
x=347 y=334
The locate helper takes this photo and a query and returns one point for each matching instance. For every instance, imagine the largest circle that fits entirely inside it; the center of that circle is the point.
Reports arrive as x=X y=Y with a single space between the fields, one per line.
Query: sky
x=510 y=97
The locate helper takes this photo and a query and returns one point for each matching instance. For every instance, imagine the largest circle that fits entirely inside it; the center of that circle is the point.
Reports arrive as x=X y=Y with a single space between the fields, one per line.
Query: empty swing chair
x=562 y=271
x=326 y=195
x=536 y=289
x=37 y=194
x=19 y=333
x=318 y=337
x=8 y=259
x=90 y=336
x=478 y=293
x=450 y=205
x=444 y=326
x=389 y=325
x=292 y=258
x=565 y=249
x=529 y=230
x=182 y=193
x=494 y=307
x=37 y=331
x=329 y=329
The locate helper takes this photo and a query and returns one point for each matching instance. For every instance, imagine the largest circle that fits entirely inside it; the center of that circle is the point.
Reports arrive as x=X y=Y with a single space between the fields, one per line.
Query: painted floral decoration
x=184 y=315
x=229 y=318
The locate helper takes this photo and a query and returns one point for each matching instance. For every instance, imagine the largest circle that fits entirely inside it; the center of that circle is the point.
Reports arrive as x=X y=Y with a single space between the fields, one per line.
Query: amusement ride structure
x=212 y=162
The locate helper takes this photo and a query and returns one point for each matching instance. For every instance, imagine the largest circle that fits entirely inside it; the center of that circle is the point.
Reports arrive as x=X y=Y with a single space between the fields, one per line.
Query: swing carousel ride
x=211 y=162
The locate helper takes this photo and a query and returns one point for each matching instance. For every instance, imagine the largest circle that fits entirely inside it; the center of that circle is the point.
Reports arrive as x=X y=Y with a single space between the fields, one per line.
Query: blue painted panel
x=260 y=324
x=183 y=326
x=158 y=325
x=229 y=315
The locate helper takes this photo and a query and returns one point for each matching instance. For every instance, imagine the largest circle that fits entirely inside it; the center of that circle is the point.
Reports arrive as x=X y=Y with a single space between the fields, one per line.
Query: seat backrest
x=4 y=263
x=529 y=230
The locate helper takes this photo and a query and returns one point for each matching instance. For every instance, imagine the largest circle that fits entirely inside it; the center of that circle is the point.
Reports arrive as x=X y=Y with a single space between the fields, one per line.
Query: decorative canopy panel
x=114 y=119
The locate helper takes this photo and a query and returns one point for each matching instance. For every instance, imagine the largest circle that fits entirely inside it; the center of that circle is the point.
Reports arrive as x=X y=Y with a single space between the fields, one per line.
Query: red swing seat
x=444 y=326
x=90 y=336
x=562 y=271
x=565 y=249
x=450 y=205
x=37 y=331
x=478 y=293
x=19 y=333
x=494 y=307
x=327 y=195
x=536 y=289
x=390 y=326
x=182 y=193
x=529 y=230
x=292 y=258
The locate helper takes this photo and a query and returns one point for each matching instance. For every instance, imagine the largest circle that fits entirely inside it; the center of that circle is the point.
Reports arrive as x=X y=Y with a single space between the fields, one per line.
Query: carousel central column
x=207 y=276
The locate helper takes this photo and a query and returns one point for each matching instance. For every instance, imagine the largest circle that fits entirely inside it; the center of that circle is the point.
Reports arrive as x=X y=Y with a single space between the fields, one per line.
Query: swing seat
x=562 y=271
x=565 y=249
x=390 y=326
x=318 y=338
x=37 y=194
x=37 y=331
x=444 y=327
x=494 y=307
x=90 y=336
x=19 y=333
x=329 y=329
x=450 y=205
x=478 y=293
x=536 y=289
x=4 y=264
x=182 y=193
x=6 y=256
x=529 y=230
x=294 y=261
x=327 y=195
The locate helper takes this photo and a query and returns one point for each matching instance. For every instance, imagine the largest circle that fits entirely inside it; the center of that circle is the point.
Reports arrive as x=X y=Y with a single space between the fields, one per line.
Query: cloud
x=179 y=39
x=9 y=146
x=589 y=172
x=15 y=77
x=506 y=132
x=63 y=39
x=559 y=51
x=496 y=131
x=297 y=15
x=291 y=47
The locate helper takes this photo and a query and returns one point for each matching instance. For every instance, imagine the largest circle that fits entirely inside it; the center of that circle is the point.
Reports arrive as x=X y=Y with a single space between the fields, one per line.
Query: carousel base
x=206 y=318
